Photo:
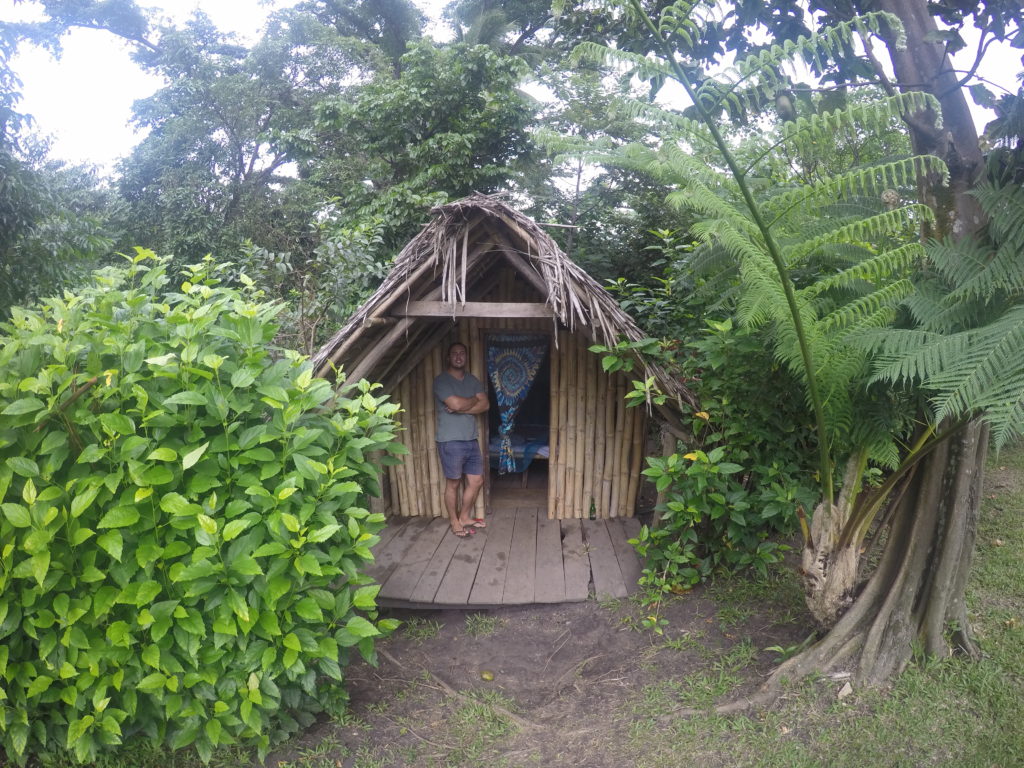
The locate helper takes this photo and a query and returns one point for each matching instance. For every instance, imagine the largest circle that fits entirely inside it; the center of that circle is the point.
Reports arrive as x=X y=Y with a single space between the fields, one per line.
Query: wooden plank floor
x=521 y=558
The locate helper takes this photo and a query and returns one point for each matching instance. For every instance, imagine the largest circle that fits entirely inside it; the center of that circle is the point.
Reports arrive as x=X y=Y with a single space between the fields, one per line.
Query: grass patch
x=482 y=625
x=418 y=629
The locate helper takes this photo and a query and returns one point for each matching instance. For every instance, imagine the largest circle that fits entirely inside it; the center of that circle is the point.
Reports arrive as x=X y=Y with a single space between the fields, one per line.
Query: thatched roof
x=450 y=260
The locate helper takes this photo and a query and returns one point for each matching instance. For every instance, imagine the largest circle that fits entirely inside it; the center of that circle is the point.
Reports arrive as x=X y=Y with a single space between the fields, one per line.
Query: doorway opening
x=525 y=483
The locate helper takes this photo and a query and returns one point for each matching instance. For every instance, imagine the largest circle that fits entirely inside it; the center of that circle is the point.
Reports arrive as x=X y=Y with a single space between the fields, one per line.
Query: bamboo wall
x=596 y=443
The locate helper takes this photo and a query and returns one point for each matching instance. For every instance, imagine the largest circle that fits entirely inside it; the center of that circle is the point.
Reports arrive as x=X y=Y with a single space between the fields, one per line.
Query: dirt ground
x=552 y=686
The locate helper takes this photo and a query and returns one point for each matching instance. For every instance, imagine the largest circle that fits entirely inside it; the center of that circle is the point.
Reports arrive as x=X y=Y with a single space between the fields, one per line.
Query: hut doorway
x=518 y=422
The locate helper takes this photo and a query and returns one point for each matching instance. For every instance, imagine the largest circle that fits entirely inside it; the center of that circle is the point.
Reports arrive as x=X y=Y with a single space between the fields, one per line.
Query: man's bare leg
x=451 y=491
x=473 y=485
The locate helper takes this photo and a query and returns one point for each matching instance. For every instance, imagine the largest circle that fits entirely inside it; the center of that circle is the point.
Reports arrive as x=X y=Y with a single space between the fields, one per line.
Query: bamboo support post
x=580 y=428
x=568 y=452
x=432 y=494
x=591 y=368
x=620 y=424
x=625 y=458
x=553 y=444
x=608 y=447
x=636 y=459
x=403 y=469
x=418 y=410
x=478 y=366
x=600 y=439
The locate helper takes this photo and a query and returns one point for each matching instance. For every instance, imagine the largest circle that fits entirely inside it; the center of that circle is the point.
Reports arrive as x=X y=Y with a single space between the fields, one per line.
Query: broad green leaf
x=309 y=610
x=117 y=423
x=360 y=627
x=39 y=685
x=207 y=523
x=187 y=397
x=365 y=597
x=40 y=566
x=235 y=527
x=151 y=656
x=323 y=534
x=112 y=543
x=23 y=406
x=84 y=500
x=119 y=517
x=175 y=504
x=23 y=466
x=17 y=515
x=162 y=454
x=242 y=378
x=151 y=682
x=291 y=522
x=193 y=456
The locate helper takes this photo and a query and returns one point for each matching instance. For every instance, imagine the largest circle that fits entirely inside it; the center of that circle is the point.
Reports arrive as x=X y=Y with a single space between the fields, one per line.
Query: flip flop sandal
x=477 y=522
x=465 y=533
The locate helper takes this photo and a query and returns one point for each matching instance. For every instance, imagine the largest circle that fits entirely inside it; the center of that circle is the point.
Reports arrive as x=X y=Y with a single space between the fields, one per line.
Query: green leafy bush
x=708 y=523
x=182 y=521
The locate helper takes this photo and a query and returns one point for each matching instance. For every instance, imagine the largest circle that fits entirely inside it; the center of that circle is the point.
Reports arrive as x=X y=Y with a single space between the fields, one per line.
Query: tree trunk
x=914 y=601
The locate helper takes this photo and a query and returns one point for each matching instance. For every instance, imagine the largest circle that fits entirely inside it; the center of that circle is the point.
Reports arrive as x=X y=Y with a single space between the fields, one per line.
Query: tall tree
x=915 y=595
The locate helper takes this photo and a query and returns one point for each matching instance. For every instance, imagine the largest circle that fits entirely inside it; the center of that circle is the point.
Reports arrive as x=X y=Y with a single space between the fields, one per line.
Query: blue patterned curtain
x=512 y=364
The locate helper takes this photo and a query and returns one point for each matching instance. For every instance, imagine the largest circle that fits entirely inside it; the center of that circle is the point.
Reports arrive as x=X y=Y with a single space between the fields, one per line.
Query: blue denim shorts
x=460 y=457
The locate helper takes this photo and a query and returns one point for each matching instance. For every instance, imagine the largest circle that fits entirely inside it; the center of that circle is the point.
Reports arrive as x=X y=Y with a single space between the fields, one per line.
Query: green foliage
x=708 y=524
x=183 y=521
x=452 y=122
x=966 y=348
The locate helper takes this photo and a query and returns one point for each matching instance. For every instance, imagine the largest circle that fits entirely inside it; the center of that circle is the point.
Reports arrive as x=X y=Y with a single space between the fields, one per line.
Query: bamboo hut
x=480 y=272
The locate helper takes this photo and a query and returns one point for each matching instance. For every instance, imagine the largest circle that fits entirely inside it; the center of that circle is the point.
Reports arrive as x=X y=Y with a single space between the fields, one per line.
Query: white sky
x=83 y=100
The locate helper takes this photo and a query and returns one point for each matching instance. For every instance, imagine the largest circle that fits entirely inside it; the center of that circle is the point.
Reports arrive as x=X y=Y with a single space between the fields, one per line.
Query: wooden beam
x=486 y=309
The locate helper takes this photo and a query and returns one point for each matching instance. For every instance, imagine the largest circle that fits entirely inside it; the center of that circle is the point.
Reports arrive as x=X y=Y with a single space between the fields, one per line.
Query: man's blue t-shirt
x=455 y=426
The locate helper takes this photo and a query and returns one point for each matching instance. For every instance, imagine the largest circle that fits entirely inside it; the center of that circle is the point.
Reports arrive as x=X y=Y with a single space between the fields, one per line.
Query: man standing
x=458 y=397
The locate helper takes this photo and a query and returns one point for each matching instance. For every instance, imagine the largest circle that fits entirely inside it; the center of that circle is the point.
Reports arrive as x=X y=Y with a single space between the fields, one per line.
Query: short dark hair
x=453 y=345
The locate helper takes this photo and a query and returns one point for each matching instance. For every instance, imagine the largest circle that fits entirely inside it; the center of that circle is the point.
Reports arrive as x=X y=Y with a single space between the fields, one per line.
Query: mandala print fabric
x=512 y=364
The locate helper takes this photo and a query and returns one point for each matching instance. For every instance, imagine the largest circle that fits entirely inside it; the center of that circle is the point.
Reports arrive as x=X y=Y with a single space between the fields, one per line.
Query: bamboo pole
x=417 y=430
x=553 y=431
x=428 y=458
x=434 y=365
x=624 y=450
x=402 y=470
x=608 y=447
x=637 y=448
x=478 y=362
x=580 y=427
x=600 y=439
x=620 y=423
x=564 y=437
x=569 y=457
x=590 y=407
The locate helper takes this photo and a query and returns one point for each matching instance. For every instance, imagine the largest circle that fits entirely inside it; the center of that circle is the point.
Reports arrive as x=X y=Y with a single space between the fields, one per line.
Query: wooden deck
x=521 y=558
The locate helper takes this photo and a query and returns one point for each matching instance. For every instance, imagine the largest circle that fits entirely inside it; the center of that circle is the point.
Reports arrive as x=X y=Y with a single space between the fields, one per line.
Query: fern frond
x=875 y=115
x=1000 y=273
x=1005 y=208
x=871 y=181
x=851 y=314
x=642 y=66
x=757 y=76
x=677 y=21
x=990 y=373
x=692 y=131
x=880 y=225
x=881 y=267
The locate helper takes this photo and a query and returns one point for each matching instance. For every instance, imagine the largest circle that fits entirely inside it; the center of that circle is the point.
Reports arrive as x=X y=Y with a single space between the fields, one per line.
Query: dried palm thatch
x=449 y=260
